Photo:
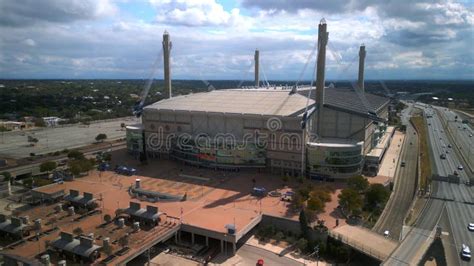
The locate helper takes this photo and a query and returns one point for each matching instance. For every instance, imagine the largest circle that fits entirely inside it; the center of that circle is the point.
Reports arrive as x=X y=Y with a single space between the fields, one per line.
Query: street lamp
x=316 y=251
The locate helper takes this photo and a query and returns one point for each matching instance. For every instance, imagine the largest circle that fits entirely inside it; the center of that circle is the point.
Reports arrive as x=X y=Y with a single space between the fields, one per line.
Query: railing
x=357 y=245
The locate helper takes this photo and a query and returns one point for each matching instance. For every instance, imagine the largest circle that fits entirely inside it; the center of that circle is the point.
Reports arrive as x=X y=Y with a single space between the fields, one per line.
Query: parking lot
x=15 y=144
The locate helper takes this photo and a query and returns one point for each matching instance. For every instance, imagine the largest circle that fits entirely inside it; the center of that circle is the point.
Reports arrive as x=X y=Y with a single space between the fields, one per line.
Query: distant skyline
x=216 y=39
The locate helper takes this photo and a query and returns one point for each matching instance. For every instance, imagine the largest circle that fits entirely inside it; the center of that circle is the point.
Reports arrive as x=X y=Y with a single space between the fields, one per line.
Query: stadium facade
x=322 y=132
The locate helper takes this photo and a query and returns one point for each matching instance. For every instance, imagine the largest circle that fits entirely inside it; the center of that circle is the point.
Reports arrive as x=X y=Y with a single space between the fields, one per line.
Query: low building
x=52 y=121
x=12 y=125
x=13 y=227
x=82 y=249
x=84 y=202
x=374 y=158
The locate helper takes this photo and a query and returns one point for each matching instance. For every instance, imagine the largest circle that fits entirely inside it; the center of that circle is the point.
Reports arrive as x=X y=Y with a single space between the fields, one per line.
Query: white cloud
x=214 y=43
x=195 y=13
x=29 y=42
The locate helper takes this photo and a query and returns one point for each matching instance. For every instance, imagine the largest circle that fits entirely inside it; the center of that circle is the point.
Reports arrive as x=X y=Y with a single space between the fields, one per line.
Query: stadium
x=315 y=131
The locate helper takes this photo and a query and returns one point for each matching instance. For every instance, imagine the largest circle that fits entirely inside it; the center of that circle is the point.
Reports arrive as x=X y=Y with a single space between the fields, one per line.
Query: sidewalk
x=277 y=250
x=390 y=160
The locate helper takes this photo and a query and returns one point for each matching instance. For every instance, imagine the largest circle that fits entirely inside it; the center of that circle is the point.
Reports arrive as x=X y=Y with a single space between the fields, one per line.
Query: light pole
x=316 y=251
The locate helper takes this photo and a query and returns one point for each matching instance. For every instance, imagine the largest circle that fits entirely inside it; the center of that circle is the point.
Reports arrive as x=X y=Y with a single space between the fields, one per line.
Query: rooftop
x=348 y=99
x=272 y=101
x=241 y=101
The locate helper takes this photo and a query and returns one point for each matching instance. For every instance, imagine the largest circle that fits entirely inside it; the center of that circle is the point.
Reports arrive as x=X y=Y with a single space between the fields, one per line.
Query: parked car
x=103 y=167
x=449 y=146
x=442 y=156
x=403 y=164
x=259 y=191
x=460 y=167
x=286 y=198
x=124 y=170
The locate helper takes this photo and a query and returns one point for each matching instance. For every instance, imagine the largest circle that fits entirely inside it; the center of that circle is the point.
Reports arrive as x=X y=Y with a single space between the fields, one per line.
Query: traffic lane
x=408 y=251
x=458 y=212
x=431 y=214
x=409 y=248
x=453 y=160
x=462 y=135
x=451 y=163
x=460 y=215
x=398 y=206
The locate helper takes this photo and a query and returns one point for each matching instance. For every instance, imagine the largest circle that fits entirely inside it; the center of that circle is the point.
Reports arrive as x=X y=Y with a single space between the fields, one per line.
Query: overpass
x=365 y=241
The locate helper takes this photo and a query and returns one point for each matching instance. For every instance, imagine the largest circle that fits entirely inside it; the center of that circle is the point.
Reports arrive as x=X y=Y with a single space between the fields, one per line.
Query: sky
x=216 y=39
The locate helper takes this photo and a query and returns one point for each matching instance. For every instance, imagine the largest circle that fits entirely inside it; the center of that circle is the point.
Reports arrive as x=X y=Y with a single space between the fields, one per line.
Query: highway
x=34 y=167
x=462 y=133
x=458 y=198
x=393 y=216
x=412 y=248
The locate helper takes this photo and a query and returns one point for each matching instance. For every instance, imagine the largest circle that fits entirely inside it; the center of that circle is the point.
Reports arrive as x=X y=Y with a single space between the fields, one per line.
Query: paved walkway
x=277 y=250
x=164 y=259
x=390 y=160
x=365 y=241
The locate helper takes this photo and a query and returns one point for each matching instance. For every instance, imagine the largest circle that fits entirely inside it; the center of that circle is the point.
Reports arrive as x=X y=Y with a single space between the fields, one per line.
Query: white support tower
x=321 y=65
x=360 y=81
x=166 y=62
x=257 y=65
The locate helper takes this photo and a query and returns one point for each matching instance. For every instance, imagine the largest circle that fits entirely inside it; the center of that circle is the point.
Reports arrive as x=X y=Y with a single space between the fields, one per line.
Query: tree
x=6 y=176
x=279 y=236
x=302 y=244
x=107 y=157
x=107 y=218
x=321 y=194
x=350 y=199
x=80 y=166
x=358 y=183
x=296 y=201
x=75 y=154
x=303 y=224
x=377 y=194
x=310 y=215
x=48 y=166
x=39 y=122
x=101 y=137
x=315 y=204
x=78 y=231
